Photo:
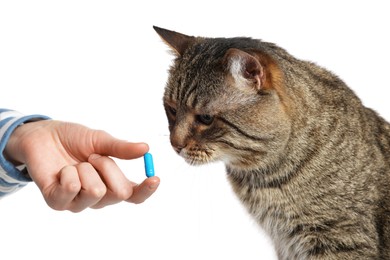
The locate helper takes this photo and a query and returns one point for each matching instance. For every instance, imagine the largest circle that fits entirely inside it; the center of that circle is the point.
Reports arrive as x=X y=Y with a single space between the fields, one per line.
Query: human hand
x=70 y=164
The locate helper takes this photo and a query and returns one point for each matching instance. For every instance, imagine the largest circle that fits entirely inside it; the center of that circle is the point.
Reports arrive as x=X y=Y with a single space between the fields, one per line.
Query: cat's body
x=307 y=159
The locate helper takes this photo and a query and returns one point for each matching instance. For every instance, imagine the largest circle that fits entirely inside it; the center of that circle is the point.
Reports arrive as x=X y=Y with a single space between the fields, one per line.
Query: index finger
x=144 y=190
x=107 y=145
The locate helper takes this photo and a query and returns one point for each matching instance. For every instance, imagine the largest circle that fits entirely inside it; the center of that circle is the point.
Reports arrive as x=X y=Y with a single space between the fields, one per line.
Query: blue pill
x=149 y=167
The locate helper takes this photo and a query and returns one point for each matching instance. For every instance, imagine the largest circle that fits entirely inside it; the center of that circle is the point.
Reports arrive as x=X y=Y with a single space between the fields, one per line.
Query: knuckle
x=72 y=188
x=98 y=192
x=124 y=193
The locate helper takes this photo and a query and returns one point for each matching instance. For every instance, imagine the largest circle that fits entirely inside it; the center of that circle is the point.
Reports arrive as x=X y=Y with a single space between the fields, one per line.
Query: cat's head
x=224 y=100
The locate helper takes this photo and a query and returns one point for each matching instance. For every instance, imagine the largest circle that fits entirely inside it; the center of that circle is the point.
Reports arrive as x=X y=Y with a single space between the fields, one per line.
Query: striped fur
x=307 y=159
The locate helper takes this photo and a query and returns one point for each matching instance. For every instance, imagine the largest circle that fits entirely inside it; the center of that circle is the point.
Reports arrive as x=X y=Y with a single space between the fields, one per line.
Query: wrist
x=11 y=123
x=11 y=151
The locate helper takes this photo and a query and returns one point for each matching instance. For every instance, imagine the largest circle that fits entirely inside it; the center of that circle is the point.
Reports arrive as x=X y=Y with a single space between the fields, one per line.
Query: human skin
x=72 y=166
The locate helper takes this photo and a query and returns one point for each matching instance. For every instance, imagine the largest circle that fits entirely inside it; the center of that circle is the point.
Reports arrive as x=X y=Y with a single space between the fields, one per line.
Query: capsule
x=149 y=167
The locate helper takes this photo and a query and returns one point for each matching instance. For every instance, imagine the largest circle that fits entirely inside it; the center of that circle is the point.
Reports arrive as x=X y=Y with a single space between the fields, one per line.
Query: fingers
x=96 y=184
x=59 y=195
x=143 y=191
x=107 y=145
x=79 y=187
x=92 y=189
x=119 y=188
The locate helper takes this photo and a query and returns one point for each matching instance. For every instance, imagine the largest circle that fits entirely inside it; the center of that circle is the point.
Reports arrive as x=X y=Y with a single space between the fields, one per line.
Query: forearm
x=12 y=178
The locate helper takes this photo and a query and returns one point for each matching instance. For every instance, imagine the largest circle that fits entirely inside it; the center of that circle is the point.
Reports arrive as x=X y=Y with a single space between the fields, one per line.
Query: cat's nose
x=178 y=148
x=177 y=145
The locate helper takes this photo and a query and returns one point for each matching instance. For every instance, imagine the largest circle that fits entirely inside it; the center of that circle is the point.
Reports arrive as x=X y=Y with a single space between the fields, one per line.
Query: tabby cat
x=310 y=163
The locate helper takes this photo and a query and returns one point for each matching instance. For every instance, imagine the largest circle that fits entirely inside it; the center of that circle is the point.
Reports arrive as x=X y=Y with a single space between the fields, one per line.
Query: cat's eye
x=205 y=119
x=172 y=111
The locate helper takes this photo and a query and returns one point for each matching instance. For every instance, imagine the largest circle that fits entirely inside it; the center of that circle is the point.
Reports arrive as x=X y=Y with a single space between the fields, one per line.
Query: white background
x=101 y=64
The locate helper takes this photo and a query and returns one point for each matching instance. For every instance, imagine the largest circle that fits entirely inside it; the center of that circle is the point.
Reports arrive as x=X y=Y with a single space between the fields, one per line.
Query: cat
x=308 y=161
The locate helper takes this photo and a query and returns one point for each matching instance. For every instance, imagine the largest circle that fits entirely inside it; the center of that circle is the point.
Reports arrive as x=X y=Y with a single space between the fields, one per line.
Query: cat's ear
x=177 y=41
x=245 y=68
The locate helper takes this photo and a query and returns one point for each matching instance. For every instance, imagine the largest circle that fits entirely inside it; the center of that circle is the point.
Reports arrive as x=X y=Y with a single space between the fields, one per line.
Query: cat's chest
x=277 y=211
x=273 y=208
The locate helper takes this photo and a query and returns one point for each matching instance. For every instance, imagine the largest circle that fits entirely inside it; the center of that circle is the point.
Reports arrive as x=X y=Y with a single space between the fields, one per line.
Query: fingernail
x=153 y=186
x=94 y=156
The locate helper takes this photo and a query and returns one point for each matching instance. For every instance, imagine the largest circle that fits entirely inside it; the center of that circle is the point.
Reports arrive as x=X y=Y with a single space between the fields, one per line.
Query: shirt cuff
x=12 y=178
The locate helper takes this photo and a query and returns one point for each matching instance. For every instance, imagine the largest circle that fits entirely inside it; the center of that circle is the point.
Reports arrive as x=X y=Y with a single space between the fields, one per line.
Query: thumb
x=107 y=145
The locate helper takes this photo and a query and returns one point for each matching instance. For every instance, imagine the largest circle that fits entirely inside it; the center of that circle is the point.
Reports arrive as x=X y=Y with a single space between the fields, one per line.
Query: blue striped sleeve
x=12 y=178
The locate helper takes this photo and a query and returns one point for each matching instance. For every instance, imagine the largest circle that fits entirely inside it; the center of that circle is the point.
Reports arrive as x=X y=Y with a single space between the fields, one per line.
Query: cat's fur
x=307 y=159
